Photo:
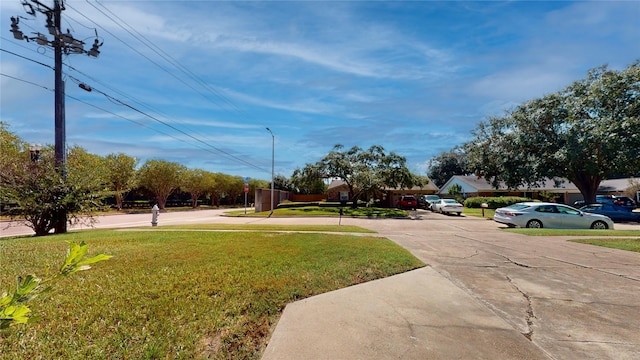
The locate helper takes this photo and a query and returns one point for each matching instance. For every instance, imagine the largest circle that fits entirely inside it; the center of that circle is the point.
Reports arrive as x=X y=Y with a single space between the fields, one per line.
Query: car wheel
x=600 y=225
x=536 y=224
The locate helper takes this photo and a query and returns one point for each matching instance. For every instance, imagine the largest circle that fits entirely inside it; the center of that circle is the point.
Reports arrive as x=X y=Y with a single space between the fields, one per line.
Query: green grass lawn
x=628 y=240
x=271 y=227
x=628 y=244
x=573 y=232
x=488 y=213
x=181 y=294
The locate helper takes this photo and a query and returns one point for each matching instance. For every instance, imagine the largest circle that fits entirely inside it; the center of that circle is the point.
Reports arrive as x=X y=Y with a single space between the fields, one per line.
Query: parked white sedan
x=448 y=206
x=549 y=215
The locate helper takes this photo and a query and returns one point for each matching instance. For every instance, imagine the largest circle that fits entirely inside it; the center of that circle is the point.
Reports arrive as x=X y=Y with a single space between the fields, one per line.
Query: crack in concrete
x=514 y=262
x=529 y=313
x=624 y=276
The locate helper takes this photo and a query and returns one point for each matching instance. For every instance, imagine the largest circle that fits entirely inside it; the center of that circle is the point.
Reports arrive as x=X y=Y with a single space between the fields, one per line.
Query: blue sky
x=415 y=77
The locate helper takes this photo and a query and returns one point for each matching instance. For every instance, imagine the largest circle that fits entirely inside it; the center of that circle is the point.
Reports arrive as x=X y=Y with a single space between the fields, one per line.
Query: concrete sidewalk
x=415 y=315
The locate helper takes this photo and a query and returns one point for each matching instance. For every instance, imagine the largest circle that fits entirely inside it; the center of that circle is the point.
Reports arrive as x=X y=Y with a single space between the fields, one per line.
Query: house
x=618 y=186
x=472 y=186
x=390 y=196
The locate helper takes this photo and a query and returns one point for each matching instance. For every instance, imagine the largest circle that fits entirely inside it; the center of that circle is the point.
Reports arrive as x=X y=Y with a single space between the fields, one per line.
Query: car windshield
x=450 y=201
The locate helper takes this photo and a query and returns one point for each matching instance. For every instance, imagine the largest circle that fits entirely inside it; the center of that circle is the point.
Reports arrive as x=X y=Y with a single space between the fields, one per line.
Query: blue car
x=614 y=212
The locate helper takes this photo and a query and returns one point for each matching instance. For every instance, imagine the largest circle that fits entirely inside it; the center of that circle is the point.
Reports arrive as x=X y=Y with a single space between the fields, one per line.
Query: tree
x=455 y=190
x=38 y=193
x=196 y=182
x=121 y=175
x=448 y=164
x=161 y=178
x=367 y=173
x=234 y=187
x=588 y=132
x=308 y=180
x=281 y=182
x=216 y=188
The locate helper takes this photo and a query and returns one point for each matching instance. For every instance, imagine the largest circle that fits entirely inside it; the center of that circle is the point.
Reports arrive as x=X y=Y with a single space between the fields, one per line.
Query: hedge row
x=493 y=202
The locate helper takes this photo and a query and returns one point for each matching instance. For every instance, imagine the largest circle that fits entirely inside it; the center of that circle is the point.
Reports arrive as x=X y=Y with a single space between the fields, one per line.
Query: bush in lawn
x=493 y=202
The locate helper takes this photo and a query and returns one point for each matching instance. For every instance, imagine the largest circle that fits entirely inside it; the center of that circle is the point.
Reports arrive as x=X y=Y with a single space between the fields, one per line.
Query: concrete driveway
x=573 y=301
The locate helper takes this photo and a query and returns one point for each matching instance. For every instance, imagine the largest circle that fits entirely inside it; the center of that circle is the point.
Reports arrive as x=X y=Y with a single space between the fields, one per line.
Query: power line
x=26 y=81
x=171 y=127
x=206 y=148
x=143 y=55
x=26 y=58
x=117 y=101
x=167 y=57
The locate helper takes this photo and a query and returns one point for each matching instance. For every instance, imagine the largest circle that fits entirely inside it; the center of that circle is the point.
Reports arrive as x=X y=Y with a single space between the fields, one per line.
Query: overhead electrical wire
x=120 y=102
x=172 y=127
x=174 y=62
x=162 y=54
x=204 y=146
x=144 y=56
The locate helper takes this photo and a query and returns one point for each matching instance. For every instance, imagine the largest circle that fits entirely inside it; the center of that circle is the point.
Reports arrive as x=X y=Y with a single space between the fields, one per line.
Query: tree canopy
x=587 y=132
x=367 y=172
x=448 y=164
x=161 y=178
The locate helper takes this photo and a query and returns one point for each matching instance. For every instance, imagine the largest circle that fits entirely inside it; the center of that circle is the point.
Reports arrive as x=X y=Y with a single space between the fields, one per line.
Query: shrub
x=493 y=202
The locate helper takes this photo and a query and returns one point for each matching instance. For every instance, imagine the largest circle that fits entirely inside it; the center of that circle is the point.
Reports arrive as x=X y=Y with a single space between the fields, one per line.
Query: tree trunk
x=119 y=199
x=588 y=186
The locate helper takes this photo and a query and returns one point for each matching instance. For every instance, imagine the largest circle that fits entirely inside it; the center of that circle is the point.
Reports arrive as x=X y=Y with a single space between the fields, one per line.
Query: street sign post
x=246 y=191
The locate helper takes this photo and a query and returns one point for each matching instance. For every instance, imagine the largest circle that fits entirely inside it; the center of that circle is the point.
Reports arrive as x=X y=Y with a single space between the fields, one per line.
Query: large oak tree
x=367 y=172
x=586 y=133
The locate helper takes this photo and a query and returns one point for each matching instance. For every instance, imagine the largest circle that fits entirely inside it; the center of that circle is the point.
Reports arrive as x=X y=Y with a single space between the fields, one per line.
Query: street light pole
x=273 y=142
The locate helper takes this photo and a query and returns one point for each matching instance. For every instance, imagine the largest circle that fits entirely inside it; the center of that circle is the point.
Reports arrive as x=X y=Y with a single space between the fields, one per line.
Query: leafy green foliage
x=161 y=178
x=121 y=175
x=455 y=190
x=448 y=164
x=493 y=202
x=13 y=309
x=585 y=133
x=367 y=173
x=308 y=180
x=40 y=192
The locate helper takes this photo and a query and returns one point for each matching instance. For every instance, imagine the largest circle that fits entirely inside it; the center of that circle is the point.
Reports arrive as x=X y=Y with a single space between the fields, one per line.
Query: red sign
x=246 y=189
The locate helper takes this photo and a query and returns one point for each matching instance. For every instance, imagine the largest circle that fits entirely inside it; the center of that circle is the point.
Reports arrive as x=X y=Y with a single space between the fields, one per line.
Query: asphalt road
x=570 y=300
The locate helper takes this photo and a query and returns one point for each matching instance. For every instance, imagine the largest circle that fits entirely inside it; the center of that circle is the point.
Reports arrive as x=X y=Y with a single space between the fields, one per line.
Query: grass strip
x=627 y=244
x=572 y=232
x=272 y=227
x=182 y=295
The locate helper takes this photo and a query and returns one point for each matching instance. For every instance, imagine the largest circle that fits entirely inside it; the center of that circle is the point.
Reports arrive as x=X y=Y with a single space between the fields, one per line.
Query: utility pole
x=61 y=43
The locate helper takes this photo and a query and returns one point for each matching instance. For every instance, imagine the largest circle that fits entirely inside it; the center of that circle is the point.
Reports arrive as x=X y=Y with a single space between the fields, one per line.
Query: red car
x=407 y=202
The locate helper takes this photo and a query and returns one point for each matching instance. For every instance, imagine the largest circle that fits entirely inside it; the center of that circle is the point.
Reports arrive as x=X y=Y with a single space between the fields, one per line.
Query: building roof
x=429 y=186
x=479 y=184
x=612 y=185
